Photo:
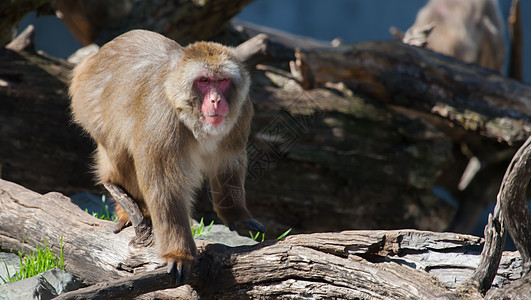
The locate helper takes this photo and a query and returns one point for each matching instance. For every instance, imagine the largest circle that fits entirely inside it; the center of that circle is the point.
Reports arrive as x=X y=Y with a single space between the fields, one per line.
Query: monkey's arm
x=228 y=194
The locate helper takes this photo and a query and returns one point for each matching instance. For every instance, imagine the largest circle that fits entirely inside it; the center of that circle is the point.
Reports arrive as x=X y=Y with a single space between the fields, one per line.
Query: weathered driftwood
x=377 y=264
x=125 y=288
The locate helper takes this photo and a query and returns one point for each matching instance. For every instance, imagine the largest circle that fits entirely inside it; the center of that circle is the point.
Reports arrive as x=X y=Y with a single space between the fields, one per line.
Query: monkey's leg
x=140 y=223
x=170 y=214
x=228 y=195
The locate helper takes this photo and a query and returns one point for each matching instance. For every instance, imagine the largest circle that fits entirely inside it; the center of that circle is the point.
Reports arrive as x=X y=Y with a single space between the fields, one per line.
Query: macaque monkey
x=469 y=30
x=164 y=117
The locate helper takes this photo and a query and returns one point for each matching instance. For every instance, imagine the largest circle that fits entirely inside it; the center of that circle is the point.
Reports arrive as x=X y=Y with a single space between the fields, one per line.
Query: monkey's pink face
x=213 y=90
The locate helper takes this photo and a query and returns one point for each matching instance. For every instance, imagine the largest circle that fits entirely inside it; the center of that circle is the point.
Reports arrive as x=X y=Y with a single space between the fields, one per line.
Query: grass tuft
x=257 y=235
x=200 y=229
x=37 y=261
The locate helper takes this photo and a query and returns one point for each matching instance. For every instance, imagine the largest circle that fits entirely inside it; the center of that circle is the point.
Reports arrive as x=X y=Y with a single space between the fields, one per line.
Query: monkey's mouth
x=214 y=119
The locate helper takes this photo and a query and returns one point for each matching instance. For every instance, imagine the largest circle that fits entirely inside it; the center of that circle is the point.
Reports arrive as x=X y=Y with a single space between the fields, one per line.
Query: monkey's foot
x=251 y=224
x=181 y=268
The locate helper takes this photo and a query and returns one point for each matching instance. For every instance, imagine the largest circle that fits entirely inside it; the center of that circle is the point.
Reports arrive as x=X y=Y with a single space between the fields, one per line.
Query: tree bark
x=379 y=264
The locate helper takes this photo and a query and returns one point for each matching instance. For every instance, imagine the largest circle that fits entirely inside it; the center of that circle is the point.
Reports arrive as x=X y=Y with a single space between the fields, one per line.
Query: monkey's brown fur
x=135 y=97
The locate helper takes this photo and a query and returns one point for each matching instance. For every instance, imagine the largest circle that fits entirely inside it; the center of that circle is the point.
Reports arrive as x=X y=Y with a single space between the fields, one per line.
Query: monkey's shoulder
x=142 y=46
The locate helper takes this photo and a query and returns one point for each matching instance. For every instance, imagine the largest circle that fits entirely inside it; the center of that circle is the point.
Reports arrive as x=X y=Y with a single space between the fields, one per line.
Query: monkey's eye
x=203 y=79
x=222 y=79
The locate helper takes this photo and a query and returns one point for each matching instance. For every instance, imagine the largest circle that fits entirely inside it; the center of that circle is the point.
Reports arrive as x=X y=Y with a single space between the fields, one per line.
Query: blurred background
x=350 y=20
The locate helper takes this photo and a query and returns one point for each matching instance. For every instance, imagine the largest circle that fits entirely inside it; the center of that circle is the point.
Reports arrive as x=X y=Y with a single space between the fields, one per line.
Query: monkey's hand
x=251 y=224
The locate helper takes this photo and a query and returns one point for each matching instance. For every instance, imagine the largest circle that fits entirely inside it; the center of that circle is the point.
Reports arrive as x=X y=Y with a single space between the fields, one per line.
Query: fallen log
x=347 y=264
x=467 y=95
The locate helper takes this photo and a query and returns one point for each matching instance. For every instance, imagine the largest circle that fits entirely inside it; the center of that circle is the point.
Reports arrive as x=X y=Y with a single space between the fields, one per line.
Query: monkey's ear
x=251 y=224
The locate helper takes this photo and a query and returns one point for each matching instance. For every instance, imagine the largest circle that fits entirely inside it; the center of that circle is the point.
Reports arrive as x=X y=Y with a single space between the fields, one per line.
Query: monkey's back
x=111 y=88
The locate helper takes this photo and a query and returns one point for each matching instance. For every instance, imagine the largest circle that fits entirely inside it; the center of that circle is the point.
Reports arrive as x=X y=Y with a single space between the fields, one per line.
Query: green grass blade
x=284 y=234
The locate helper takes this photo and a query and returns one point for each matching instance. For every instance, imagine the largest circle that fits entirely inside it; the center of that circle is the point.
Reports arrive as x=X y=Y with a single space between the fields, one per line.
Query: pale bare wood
x=24 y=41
